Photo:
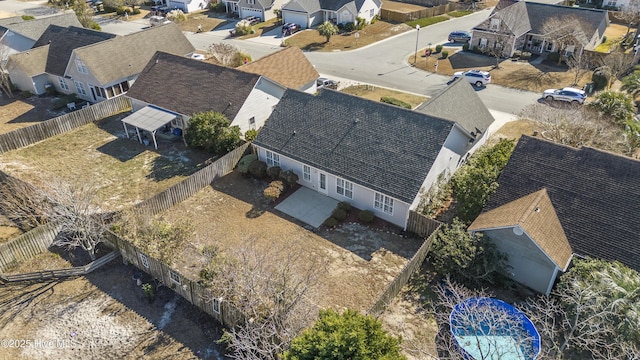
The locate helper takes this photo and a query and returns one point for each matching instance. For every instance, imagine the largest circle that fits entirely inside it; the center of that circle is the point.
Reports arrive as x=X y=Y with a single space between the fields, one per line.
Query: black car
x=460 y=36
x=290 y=28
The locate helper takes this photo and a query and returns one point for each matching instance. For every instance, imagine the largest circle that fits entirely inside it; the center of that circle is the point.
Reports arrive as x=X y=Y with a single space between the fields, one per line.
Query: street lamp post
x=415 y=57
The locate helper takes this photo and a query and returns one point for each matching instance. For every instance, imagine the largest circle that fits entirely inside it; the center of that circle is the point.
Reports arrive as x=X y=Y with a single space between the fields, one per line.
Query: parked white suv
x=475 y=77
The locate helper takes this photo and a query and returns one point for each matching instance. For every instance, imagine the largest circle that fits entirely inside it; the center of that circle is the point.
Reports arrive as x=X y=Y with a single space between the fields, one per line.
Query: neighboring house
x=262 y=9
x=553 y=199
x=27 y=70
x=288 y=67
x=519 y=25
x=308 y=13
x=188 y=6
x=185 y=86
x=376 y=156
x=17 y=35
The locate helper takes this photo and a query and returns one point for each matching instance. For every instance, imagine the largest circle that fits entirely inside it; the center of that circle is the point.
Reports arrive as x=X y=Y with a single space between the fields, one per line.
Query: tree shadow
x=314 y=46
x=122 y=149
x=465 y=60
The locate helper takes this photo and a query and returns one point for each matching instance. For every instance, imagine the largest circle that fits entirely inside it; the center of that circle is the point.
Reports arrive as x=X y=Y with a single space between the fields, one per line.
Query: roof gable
x=288 y=67
x=382 y=147
x=473 y=116
x=589 y=19
x=33 y=29
x=62 y=41
x=309 y=6
x=32 y=62
x=595 y=194
x=533 y=213
x=128 y=63
x=188 y=86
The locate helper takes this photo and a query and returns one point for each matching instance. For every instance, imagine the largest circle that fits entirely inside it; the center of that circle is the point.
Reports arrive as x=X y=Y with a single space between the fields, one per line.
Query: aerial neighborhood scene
x=320 y=179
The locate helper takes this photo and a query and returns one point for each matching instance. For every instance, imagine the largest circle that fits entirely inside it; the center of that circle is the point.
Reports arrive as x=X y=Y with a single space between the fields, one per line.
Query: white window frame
x=273 y=159
x=383 y=203
x=144 y=260
x=483 y=43
x=252 y=122
x=215 y=305
x=306 y=172
x=495 y=24
x=63 y=84
x=82 y=68
x=175 y=277
x=372 y=12
x=80 y=88
x=344 y=188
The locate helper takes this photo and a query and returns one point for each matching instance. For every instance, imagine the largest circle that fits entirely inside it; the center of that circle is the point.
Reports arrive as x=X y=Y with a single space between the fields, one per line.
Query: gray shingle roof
x=310 y=6
x=133 y=52
x=32 y=62
x=596 y=195
x=33 y=29
x=383 y=147
x=460 y=103
x=62 y=41
x=187 y=86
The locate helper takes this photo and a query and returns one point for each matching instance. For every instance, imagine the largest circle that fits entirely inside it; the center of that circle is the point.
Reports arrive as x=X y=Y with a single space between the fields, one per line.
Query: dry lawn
x=310 y=39
x=208 y=22
x=375 y=93
x=123 y=170
x=19 y=112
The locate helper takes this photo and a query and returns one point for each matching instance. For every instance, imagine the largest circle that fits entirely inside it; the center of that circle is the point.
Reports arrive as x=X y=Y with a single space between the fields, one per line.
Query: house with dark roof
x=520 y=25
x=288 y=67
x=17 y=34
x=376 y=156
x=184 y=86
x=554 y=202
x=308 y=13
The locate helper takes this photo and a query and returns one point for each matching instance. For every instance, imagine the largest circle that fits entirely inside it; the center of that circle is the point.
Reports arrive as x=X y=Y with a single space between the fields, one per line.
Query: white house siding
x=345 y=16
x=259 y=105
x=53 y=79
x=188 y=6
x=88 y=80
x=365 y=10
x=363 y=198
x=24 y=82
x=299 y=18
x=40 y=82
x=529 y=265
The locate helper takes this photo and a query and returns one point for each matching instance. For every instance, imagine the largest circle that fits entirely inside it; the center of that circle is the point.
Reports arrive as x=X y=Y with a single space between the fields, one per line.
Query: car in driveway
x=568 y=94
x=460 y=36
x=290 y=29
x=327 y=83
x=476 y=77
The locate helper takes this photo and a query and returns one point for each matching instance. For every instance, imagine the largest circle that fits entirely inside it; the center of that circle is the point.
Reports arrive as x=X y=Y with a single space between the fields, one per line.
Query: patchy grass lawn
x=206 y=20
x=514 y=74
x=424 y=22
x=375 y=93
x=310 y=39
x=262 y=28
x=123 y=170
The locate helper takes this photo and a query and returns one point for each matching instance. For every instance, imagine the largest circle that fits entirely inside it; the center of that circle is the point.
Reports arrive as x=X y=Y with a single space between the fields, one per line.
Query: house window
x=306 y=173
x=144 y=260
x=344 y=188
x=216 y=305
x=383 y=203
x=549 y=46
x=251 y=2
x=371 y=13
x=81 y=67
x=80 y=88
x=252 y=122
x=63 y=84
x=483 y=43
x=495 y=24
x=175 y=277
x=273 y=159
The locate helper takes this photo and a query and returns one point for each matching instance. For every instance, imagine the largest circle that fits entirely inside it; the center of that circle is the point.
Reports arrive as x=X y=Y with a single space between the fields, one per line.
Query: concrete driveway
x=308 y=206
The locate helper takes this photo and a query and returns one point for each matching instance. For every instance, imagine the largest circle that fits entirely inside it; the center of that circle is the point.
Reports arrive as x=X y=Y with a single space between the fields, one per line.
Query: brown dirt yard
x=354 y=263
x=123 y=170
x=18 y=111
x=375 y=93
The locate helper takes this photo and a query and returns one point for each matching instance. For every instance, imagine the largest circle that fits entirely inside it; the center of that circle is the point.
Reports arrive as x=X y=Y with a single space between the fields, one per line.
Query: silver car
x=568 y=94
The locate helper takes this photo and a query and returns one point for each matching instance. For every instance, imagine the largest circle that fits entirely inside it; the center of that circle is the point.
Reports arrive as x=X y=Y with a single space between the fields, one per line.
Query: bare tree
x=564 y=32
x=498 y=46
x=579 y=65
x=22 y=203
x=226 y=54
x=270 y=288
x=5 y=81
x=614 y=64
x=630 y=14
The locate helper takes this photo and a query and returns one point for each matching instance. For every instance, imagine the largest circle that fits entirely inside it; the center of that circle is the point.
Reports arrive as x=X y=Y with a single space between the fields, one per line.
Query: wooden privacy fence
x=32 y=134
x=60 y=273
x=27 y=245
x=421 y=225
x=191 y=185
x=399 y=281
x=189 y=289
x=395 y=16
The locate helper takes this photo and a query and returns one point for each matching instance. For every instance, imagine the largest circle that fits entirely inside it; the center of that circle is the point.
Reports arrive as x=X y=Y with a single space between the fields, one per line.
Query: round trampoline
x=491 y=329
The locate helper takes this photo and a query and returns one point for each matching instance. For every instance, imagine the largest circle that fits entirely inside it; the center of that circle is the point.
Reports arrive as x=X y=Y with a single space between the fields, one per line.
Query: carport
x=308 y=206
x=150 y=119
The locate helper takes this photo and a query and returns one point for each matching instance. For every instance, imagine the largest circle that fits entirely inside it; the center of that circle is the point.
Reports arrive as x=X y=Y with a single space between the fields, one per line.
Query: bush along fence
x=27 y=245
x=32 y=134
x=409 y=269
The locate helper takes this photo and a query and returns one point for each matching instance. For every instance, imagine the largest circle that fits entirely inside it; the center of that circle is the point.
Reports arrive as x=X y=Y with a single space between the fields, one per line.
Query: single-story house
x=520 y=25
x=17 y=34
x=555 y=202
x=376 y=156
x=288 y=67
x=184 y=86
x=188 y=6
x=309 y=13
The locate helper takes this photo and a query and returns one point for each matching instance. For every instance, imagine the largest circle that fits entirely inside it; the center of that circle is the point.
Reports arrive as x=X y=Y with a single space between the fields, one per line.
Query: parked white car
x=475 y=77
x=158 y=20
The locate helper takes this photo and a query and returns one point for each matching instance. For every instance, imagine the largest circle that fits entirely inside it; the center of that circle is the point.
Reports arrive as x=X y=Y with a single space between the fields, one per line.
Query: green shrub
x=274 y=190
x=135 y=11
x=349 y=27
x=217 y=7
x=96 y=26
x=375 y=18
x=465 y=47
x=109 y=9
x=366 y=216
x=344 y=205
x=394 y=101
x=330 y=222
x=361 y=23
x=212 y=132
x=274 y=172
x=339 y=214
x=445 y=54
x=600 y=79
x=243 y=164
x=553 y=57
x=438 y=48
x=120 y=10
x=258 y=169
x=289 y=178
x=250 y=135
x=28 y=17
